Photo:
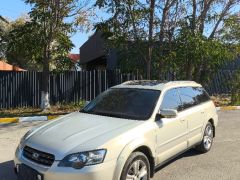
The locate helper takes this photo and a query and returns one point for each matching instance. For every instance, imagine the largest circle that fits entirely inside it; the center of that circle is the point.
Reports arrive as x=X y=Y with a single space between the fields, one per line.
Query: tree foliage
x=53 y=21
x=190 y=38
x=235 y=88
x=4 y=26
x=197 y=57
x=21 y=45
x=41 y=40
x=231 y=30
x=132 y=24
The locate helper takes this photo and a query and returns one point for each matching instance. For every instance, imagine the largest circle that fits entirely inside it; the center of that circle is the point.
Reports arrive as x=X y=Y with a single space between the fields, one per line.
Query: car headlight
x=79 y=160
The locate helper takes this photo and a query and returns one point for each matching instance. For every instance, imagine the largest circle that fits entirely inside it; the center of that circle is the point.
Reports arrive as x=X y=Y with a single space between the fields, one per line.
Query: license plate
x=27 y=173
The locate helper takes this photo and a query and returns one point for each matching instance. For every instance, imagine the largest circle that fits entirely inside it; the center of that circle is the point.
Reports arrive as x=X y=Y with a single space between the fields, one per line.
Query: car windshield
x=125 y=103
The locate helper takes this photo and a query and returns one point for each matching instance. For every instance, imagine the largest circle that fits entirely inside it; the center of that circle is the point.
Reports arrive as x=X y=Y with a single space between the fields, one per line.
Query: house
x=94 y=55
x=75 y=58
x=8 y=67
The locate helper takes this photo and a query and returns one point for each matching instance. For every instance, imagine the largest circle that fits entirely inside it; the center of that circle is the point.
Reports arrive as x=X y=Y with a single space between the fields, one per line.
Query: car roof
x=156 y=84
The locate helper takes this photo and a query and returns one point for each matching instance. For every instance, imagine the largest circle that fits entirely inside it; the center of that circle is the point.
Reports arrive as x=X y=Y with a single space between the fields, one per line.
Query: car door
x=172 y=132
x=193 y=113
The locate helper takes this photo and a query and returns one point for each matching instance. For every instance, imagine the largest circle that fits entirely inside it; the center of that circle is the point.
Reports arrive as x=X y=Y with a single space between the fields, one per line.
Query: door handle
x=182 y=120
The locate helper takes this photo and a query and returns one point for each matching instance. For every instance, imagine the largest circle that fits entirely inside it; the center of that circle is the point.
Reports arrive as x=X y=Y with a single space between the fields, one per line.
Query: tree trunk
x=148 y=61
x=148 y=69
x=222 y=15
x=45 y=102
x=161 y=37
x=150 y=38
x=163 y=20
x=203 y=15
x=189 y=70
x=199 y=69
x=197 y=73
x=193 y=21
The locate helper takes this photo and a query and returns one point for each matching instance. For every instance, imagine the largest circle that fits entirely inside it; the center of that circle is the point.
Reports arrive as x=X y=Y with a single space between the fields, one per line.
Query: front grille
x=38 y=157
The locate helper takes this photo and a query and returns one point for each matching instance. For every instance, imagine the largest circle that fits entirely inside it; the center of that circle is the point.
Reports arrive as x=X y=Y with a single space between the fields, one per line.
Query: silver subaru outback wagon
x=123 y=134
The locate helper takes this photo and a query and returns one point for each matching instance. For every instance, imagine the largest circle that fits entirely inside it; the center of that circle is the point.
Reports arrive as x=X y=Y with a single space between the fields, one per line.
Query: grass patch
x=58 y=109
x=221 y=100
x=236 y=99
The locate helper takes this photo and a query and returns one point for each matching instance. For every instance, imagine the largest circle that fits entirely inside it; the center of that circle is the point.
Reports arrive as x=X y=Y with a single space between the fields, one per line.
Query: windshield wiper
x=111 y=114
x=95 y=113
x=102 y=114
x=84 y=111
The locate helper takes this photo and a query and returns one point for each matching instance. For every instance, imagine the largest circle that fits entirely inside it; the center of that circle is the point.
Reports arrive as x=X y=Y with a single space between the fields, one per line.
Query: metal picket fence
x=21 y=89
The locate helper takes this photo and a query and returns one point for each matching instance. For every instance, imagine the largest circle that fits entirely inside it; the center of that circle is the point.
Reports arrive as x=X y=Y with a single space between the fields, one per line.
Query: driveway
x=222 y=162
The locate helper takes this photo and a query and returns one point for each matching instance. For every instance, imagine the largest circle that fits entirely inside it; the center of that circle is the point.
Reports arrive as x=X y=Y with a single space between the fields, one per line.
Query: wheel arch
x=146 y=150
x=212 y=122
x=138 y=145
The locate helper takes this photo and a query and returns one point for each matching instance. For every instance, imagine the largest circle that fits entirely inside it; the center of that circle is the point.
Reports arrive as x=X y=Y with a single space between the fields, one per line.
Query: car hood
x=78 y=132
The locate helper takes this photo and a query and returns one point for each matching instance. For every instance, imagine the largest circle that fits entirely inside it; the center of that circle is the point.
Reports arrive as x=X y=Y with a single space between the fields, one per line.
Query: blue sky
x=12 y=9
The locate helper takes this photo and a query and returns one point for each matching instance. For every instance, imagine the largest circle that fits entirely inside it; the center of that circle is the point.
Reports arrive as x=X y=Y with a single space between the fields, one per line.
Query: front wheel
x=136 y=168
x=207 y=140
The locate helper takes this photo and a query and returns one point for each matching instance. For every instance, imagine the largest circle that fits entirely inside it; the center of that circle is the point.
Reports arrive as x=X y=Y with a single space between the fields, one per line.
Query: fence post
x=94 y=92
x=105 y=79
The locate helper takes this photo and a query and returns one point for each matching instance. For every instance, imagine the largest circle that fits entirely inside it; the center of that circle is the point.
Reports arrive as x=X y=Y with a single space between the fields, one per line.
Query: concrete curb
x=225 y=108
x=27 y=119
x=9 y=120
x=52 y=117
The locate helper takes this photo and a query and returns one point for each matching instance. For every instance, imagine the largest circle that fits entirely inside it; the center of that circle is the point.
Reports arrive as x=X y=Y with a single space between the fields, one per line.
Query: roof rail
x=182 y=82
x=144 y=82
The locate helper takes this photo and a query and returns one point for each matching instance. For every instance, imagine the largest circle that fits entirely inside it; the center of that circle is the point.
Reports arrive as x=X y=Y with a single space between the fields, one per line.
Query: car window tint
x=188 y=96
x=128 y=103
x=202 y=95
x=171 y=100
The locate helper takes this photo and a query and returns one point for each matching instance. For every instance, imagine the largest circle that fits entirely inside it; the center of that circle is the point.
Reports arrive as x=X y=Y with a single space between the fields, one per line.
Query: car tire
x=207 y=140
x=137 y=166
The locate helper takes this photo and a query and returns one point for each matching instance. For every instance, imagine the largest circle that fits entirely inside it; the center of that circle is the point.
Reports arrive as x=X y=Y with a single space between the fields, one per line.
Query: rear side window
x=202 y=95
x=171 y=100
x=192 y=96
x=188 y=96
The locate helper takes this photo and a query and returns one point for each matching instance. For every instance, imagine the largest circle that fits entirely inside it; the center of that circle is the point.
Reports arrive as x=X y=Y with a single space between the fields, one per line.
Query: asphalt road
x=221 y=163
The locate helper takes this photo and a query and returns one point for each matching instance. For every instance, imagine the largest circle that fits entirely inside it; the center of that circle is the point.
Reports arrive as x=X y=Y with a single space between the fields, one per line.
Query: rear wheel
x=207 y=140
x=136 y=168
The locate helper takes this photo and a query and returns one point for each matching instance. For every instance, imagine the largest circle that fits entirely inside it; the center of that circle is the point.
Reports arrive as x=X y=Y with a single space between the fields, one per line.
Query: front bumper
x=100 y=171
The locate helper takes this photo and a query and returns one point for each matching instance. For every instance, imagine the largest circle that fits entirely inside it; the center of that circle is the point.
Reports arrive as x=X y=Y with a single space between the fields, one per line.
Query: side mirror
x=168 y=113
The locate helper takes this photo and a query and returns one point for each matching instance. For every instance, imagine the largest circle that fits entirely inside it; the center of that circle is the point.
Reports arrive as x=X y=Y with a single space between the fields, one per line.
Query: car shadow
x=7 y=168
x=5 y=125
x=189 y=153
x=7 y=171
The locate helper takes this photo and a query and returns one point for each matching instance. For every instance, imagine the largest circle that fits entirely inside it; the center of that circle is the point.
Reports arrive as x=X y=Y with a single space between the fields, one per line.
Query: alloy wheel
x=208 y=137
x=137 y=171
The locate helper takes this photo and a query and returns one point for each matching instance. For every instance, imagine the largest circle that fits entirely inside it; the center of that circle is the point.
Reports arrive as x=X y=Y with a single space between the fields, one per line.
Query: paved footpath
x=221 y=163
